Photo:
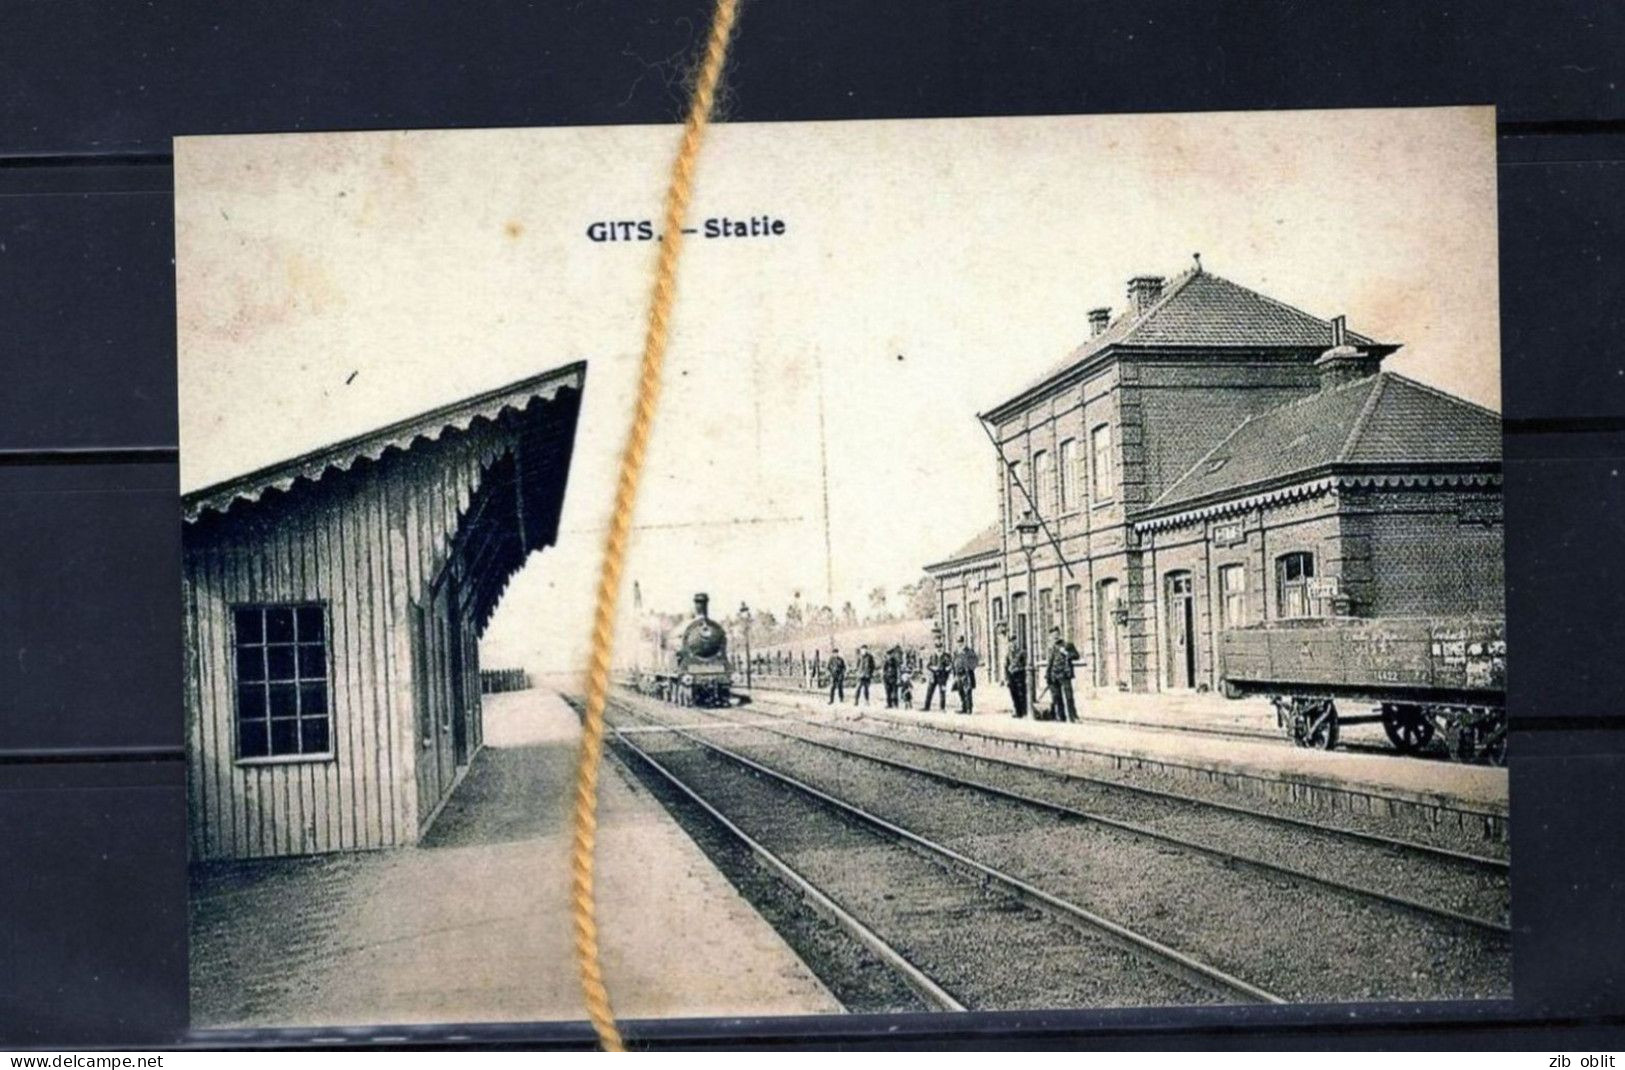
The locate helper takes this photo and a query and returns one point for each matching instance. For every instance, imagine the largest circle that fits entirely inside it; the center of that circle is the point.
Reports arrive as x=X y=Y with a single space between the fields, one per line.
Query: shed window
x=1295 y=579
x=282 y=707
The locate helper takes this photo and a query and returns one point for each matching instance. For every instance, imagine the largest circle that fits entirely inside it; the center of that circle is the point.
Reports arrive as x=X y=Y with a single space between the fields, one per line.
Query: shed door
x=438 y=686
x=447 y=669
x=425 y=721
x=457 y=679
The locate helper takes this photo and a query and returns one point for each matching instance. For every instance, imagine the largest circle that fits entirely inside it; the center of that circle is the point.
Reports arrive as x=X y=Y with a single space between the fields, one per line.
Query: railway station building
x=1212 y=458
x=333 y=607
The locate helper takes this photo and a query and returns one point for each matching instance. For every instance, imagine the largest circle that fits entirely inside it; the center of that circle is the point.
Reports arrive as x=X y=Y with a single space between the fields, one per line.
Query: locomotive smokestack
x=701 y=601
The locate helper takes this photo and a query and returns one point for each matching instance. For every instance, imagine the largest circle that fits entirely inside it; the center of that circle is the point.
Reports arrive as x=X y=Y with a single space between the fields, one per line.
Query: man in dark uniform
x=937 y=667
x=891 y=669
x=1058 y=673
x=866 y=673
x=965 y=663
x=837 y=676
x=1015 y=676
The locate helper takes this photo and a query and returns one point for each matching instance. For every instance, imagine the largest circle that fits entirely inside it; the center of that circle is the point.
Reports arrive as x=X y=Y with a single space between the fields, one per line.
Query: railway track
x=1416 y=877
x=960 y=933
x=1488 y=863
x=1352 y=746
x=1287 y=931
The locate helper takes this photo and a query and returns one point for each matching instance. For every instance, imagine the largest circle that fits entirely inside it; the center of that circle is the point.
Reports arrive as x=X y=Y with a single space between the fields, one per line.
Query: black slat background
x=92 y=847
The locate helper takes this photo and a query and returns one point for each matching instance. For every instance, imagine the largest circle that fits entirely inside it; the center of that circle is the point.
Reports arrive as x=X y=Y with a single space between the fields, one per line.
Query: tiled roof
x=986 y=542
x=1383 y=419
x=399 y=436
x=1202 y=310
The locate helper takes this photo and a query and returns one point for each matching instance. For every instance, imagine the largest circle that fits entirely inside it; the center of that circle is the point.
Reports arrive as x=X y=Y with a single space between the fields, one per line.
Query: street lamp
x=744 y=613
x=1027 y=529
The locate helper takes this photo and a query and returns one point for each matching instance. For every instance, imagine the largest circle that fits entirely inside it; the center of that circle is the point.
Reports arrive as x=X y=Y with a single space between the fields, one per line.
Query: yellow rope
x=626 y=492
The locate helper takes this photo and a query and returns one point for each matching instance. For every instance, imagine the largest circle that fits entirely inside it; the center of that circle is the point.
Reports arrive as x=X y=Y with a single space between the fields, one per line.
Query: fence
x=799 y=671
x=494 y=680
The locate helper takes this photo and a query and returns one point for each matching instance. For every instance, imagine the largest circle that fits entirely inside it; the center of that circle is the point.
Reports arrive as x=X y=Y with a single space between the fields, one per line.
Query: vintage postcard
x=1068 y=571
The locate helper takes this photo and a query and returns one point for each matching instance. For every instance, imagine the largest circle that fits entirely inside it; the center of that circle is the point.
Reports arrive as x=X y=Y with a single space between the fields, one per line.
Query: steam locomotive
x=694 y=668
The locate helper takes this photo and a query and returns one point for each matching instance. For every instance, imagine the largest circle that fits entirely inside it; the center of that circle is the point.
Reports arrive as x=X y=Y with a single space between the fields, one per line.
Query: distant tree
x=920 y=598
x=877 y=604
x=849 y=616
x=822 y=618
x=792 y=617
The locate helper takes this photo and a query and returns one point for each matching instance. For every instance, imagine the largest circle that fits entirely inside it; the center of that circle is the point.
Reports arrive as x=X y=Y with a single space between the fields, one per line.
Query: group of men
x=960 y=668
x=899 y=690
x=1060 y=667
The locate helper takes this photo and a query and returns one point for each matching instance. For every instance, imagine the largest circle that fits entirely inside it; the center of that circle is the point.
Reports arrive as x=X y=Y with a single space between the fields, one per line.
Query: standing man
x=890 y=670
x=837 y=676
x=1015 y=676
x=937 y=667
x=965 y=663
x=866 y=673
x=1058 y=673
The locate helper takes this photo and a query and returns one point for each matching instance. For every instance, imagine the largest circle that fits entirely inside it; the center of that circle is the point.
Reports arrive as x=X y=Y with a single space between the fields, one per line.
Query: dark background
x=92 y=787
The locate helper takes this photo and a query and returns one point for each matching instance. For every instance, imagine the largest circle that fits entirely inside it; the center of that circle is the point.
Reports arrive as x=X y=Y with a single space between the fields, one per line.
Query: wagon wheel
x=1409 y=728
x=1487 y=732
x=1315 y=723
x=1493 y=751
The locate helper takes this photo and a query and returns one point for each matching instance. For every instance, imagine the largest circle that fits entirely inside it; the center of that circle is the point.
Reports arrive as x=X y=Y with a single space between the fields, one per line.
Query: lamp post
x=744 y=612
x=1027 y=529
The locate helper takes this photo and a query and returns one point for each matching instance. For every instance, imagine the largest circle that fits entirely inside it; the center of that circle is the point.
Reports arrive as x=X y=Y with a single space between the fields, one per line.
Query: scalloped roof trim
x=402 y=435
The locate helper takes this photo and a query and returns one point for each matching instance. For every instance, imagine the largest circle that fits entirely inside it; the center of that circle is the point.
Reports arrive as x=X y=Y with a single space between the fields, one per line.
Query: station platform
x=1205 y=737
x=475 y=924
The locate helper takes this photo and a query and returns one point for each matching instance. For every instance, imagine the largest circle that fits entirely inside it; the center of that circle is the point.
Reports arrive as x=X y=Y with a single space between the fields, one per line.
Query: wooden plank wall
x=365 y=542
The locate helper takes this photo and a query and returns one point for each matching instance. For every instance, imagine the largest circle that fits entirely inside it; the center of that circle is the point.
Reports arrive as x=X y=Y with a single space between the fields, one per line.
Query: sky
x=331 y=283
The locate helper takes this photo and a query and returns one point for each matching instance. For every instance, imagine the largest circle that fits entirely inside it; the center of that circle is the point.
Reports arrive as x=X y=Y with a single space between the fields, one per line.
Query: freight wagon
x=1425 y=678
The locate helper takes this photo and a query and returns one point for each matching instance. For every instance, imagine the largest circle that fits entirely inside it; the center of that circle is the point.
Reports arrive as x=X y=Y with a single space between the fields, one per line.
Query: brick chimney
x=1098 y=319
x=1343 y=363
x=1143 y=292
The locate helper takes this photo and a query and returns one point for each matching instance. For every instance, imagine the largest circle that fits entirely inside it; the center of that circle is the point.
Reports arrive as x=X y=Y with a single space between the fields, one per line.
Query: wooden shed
x=333 y=607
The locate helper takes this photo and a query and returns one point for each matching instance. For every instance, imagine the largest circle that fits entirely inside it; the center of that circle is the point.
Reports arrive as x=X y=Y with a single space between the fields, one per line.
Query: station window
x=1074 y=606
x=1017 y=502
x=282 y=677
x=1233 y=596
x=1067 y=470
x=1100 y=456
x=1044 y=483
x=1294 y=581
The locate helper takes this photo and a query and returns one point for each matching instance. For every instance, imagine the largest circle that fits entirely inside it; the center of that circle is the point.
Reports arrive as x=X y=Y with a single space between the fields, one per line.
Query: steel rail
x=1192 y=970
x=1497 y=865
x=1223 y=854
x=916 y=979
